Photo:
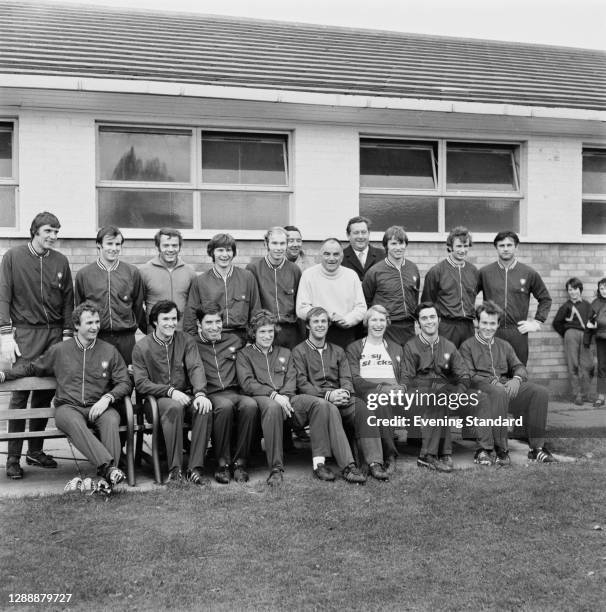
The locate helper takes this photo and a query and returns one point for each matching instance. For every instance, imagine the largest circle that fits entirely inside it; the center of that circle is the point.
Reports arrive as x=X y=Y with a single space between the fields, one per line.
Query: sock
x=317 y=461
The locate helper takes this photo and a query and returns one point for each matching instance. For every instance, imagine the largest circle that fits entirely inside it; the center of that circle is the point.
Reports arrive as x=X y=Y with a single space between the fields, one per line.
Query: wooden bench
x=41 y=384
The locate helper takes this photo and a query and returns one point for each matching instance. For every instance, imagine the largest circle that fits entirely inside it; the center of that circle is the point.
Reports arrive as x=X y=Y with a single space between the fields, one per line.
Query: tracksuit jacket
x=219 y=359
x=277 y=287
x=599 y=317
x=162 y=283
x=452 y=288
x=434 y=365
x=492 y=362
x=321 y=372
x=237 y=295
x=361 y=385
x=397 y=289
x=118 y=293
x=83 y=375
x=511 y=288
x=35 y=290
x=567 y=319
x=162 y=367
x=266 y=374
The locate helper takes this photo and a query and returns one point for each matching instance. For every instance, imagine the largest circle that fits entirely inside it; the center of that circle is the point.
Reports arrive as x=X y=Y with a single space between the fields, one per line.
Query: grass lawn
x=510 y=539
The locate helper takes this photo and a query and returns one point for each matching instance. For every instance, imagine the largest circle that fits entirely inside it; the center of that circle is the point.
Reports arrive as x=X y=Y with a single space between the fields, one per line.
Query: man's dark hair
x=43 y=218
x=108 y=230
x=506 y=234
x=208 y=308
x=423 y=306
x=86 y=306
x=357 y=220
x=170 y=233
x=221 y=241
x=602 y=281
x=162 y=307
x=460 y=232
x=490 y=308
x=260 y=319
x=395 y=232
x=292 y=228
x=574 y=283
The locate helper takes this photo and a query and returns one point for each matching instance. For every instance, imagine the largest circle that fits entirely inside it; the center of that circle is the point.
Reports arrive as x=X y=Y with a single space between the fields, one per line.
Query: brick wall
x=555 y=262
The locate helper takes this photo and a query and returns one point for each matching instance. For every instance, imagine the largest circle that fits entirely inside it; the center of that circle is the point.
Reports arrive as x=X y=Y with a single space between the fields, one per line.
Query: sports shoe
x=391 y=465
x=323 y=473
x=196 y=476
x=13 y=469
x=482 y=457
x=275 y=477
x=40 y=459
x=541 y=455
x=353 y=475
x=223 y=475
x=377 y=471
x=114 y=475
x=502 y=458
x=578 y=400
x=175 y=476
x=240 y=474
x=447 y=461
x=431 y=462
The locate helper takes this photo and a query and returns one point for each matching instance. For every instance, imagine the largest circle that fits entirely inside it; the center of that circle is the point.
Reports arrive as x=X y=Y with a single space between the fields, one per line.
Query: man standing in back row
x=36 y=304
x=509 y=284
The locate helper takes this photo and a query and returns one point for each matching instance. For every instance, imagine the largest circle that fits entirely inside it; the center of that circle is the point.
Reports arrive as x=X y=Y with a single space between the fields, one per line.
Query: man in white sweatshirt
x=335 y=288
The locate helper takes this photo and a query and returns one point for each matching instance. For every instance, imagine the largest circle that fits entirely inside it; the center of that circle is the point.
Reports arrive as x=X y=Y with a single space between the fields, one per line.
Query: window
x=431 y=186
x=594 y=191
x=8 y=176
x=191 y=178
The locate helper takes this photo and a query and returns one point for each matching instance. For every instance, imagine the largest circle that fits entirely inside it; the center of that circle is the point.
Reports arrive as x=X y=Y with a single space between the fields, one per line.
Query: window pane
x=396 y=166
x=7 y=207
x=480 y=169
x=6 y=152
x=483 y=215
x=416 y=214
x=594 y=218
x=130 y=155
x=146 y=209
x=244 y=160
x=244 y=209
x=594 y=172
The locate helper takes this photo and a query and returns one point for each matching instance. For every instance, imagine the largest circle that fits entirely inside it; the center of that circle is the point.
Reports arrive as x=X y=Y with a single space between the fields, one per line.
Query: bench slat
x=29 y=383
x=27 y=413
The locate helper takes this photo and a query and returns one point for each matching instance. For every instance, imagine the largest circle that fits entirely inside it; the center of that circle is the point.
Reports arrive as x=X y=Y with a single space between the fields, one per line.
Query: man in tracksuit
x=91 y=377
x=167 y=366
x=230 y=407
x=266 y=372
x=116 y=287
x=501 y=377
x=394 y=284
x=166 y=276
x=278 y=281
x=36 y=304
x=432 y=366
x=510 y=283
x=234 y=289
x=452 y=285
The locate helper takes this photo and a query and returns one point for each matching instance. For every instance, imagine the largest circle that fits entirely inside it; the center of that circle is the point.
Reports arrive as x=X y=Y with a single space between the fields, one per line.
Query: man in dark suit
x=360 y=256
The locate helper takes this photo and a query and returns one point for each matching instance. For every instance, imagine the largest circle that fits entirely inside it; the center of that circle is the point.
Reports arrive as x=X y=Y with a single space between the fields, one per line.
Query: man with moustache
x=166 y=276
x=36 y=304
x=510 y=283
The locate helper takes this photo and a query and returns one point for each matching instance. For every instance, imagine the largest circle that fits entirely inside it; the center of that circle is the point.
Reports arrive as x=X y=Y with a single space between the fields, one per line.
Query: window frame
x=442 y=194
x=591 y=198
x=196 y=185
x=13 y=179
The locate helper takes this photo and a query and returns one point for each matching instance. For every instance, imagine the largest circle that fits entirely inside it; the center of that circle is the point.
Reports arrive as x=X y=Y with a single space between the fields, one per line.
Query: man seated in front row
x=234 y=414
x=167 y=366
x=322 y=370
x=433 y=367
x=91 y=376
x=498 y=373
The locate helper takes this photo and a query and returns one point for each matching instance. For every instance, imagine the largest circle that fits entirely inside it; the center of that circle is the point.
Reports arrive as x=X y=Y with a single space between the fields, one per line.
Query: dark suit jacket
x=351 y=261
